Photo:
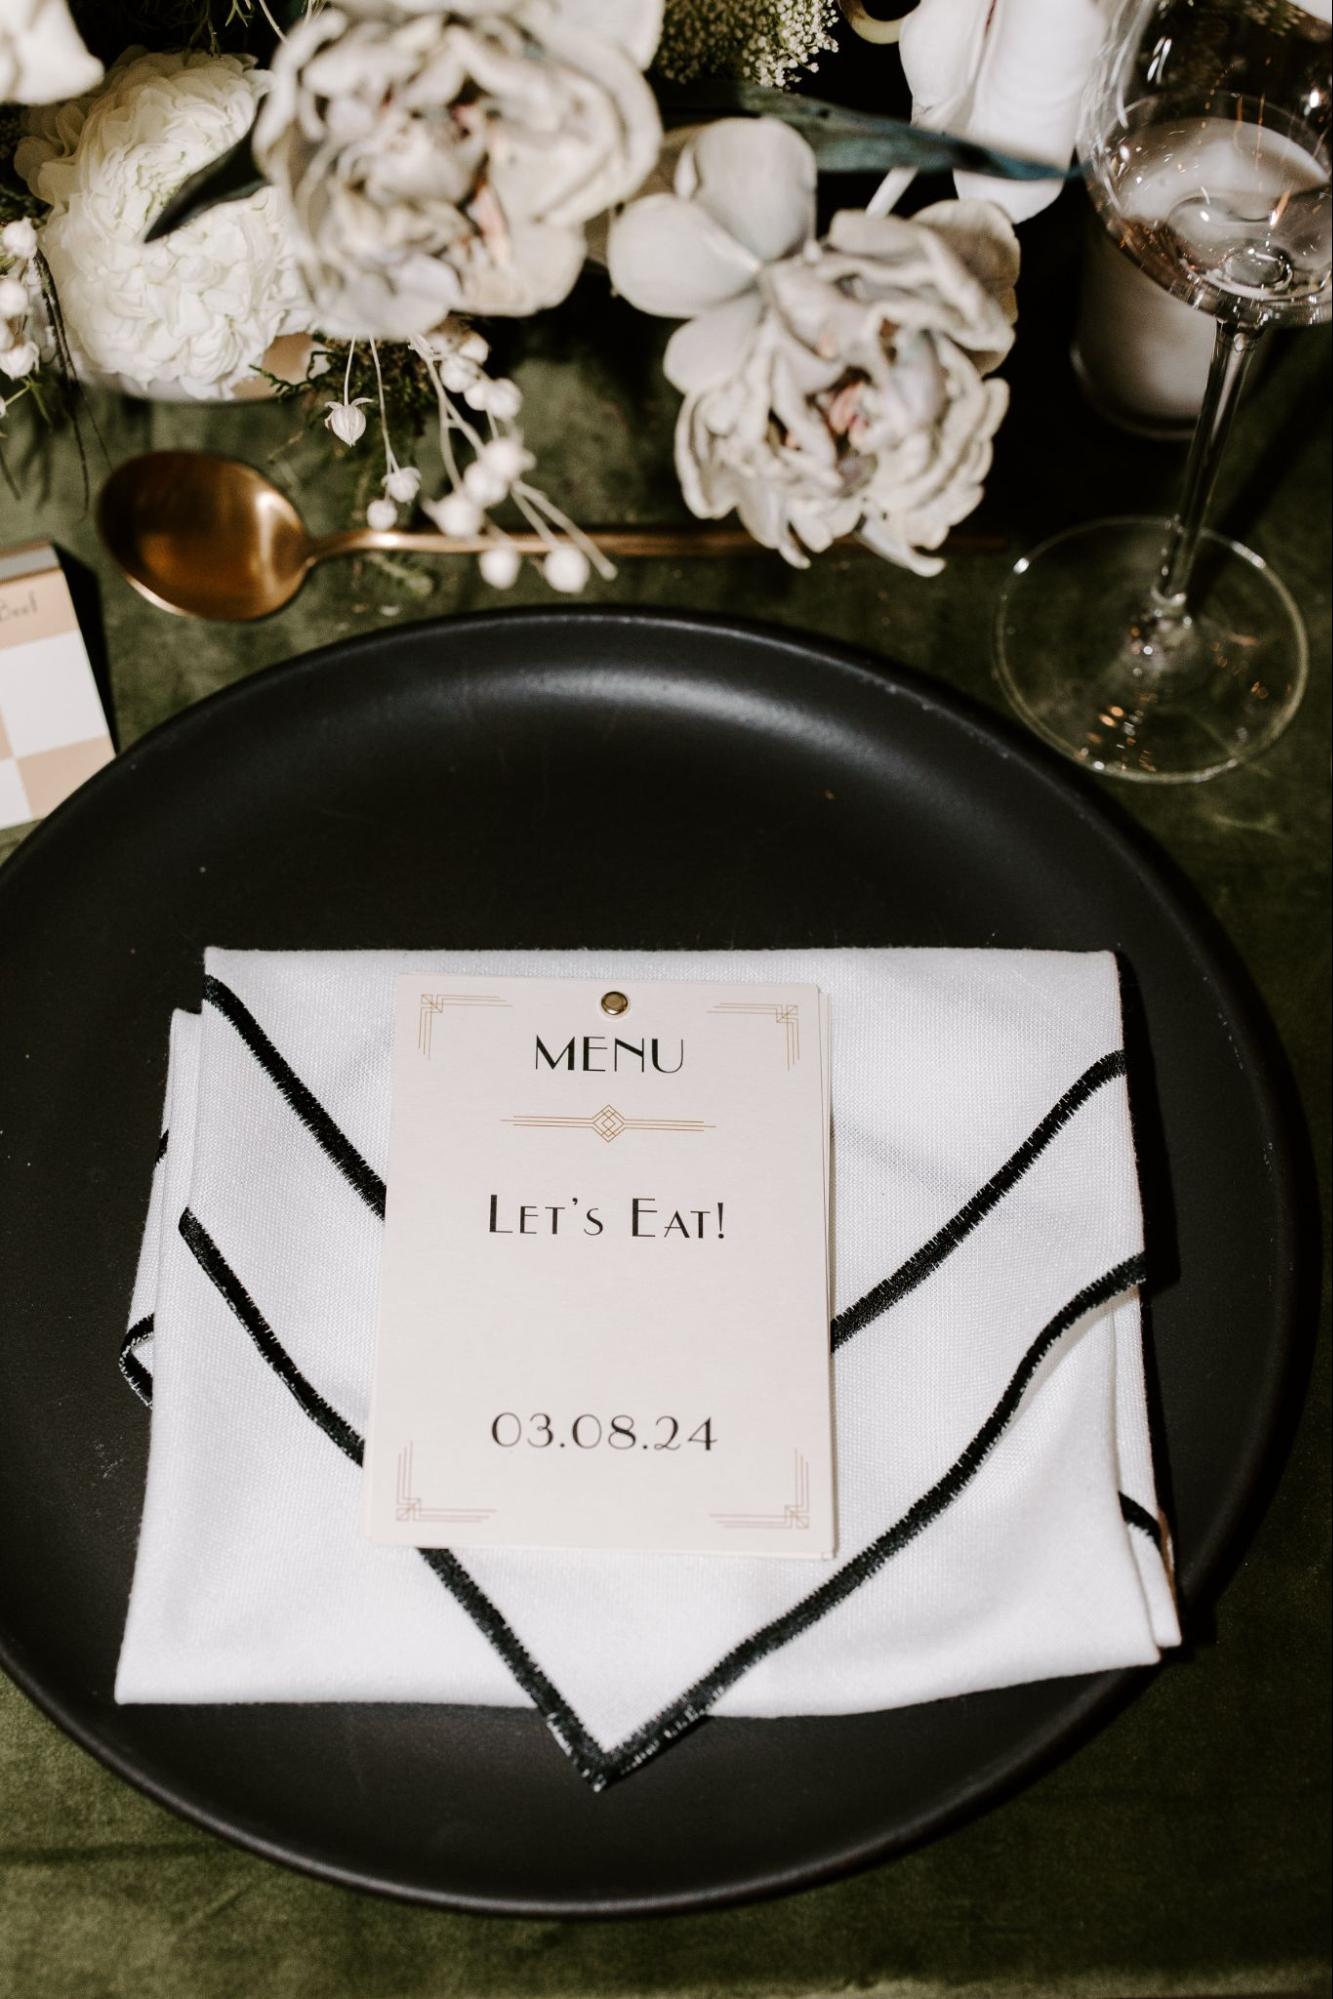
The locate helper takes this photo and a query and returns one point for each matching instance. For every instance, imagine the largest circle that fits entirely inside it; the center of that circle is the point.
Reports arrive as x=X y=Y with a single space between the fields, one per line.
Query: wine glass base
x=1087 y=670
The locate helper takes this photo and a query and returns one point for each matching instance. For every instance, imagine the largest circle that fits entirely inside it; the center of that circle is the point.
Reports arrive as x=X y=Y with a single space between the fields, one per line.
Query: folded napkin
x=997 y=1513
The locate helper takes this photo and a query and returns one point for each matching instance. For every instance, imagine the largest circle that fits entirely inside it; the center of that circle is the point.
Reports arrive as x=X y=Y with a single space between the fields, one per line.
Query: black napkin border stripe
x=1138 y=1516
x=947 y=1239
x=694 y=1703
x=133 y=1369
x=332 y=1141
x=559 y=1717
x=597 y=1765
x=220 y=1273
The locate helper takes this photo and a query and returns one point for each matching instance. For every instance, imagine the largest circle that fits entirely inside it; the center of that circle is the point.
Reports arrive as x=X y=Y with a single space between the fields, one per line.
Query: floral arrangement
x=321 y=205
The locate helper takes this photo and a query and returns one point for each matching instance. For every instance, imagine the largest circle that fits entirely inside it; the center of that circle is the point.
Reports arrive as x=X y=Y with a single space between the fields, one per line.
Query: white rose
x=829 y=387
x=42 y=57
x=194 y=312
x=435 y=158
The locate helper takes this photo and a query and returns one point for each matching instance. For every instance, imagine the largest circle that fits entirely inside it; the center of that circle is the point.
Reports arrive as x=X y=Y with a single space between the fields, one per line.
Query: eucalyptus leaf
x=230 y=177
x=845 y=141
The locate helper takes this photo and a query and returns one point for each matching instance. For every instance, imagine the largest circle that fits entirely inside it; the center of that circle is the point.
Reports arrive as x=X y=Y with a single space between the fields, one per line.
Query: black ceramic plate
x=555 y=779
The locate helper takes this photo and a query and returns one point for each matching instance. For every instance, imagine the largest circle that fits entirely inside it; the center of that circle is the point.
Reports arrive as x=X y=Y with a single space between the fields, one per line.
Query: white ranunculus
x=444 y=155
x=189 y=315
x=832 y=386
x=42 y=57
x=1008 y=73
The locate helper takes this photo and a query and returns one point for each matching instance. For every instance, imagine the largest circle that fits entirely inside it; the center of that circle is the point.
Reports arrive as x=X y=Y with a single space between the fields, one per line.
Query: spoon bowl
x=204 y=536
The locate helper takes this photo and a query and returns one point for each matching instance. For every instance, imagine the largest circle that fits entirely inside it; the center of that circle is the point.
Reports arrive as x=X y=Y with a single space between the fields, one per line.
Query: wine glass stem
x=1233 y=352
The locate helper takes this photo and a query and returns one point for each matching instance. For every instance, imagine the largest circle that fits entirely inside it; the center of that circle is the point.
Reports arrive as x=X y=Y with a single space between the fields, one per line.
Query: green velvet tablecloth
x=1185 y=1850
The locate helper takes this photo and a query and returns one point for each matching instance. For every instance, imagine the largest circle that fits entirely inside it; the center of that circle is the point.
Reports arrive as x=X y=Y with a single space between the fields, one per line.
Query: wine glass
x=1159 y=650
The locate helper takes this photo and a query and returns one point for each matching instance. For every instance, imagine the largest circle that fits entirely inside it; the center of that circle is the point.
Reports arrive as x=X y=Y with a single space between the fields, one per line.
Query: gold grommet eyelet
x=615 y=1002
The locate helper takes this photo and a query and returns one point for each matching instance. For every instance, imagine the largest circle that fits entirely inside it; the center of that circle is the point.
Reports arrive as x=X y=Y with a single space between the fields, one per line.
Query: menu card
x=604 y=1307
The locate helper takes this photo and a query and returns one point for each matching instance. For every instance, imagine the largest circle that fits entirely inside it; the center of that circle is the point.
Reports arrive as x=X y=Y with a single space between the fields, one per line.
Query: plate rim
x=1094 y=1699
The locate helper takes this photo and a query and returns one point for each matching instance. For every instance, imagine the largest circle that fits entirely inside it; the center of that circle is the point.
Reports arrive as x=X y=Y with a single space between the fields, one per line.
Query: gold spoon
x=211 y=537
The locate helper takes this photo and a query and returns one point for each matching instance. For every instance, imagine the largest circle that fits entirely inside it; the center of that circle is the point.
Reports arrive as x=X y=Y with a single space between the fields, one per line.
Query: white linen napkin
x=997 y=1508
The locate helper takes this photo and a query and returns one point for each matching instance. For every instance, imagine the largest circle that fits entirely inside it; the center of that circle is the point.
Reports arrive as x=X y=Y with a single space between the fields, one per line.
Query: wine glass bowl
x=1205 y=143
x=1205 y=136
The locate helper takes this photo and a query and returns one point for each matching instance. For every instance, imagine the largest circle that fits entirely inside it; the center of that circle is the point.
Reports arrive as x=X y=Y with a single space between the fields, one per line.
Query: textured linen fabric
x=1039 y=1555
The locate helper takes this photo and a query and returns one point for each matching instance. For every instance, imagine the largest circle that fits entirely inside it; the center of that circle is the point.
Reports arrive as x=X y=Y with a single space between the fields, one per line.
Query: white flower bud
x=505 y=458
x=381 y=515
x=346 y=421
x=13 y=298
x=477 y=394
x=481 y=484
x=505 y=400
x=19 y=360
x=19 y=239
x=403 y=484
x=499 y=566
x=473 y=348
x=566 y=569
x=455 y=514
x=457 y=376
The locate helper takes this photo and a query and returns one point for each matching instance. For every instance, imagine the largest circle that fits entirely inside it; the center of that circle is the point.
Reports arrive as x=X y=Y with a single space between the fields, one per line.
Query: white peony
x=832 y=386
x=42 y=57
x=190 y=314
x=444 y=155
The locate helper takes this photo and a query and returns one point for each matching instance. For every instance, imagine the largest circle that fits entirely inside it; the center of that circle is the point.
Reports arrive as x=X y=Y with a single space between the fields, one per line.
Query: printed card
x=604 y=1309
x=53 y=732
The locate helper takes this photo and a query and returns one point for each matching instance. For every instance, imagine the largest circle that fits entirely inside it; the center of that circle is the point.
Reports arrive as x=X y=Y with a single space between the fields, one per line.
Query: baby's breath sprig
x=763 y=41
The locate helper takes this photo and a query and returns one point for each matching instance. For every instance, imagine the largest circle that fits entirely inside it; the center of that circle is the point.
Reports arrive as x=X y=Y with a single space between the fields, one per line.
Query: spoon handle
x=647 y=541
x=613 y=541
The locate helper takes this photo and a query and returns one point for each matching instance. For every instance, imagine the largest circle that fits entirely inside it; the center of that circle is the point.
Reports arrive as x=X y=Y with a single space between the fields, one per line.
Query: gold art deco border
x=608 y=1123
x=785 y=1013
x=408 y=1505
x=795 y=1514
x=435 y=1003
